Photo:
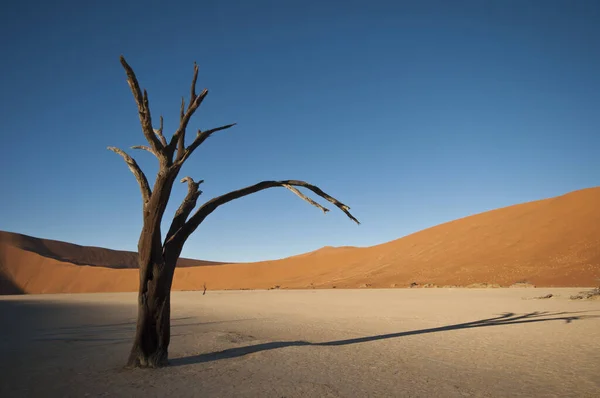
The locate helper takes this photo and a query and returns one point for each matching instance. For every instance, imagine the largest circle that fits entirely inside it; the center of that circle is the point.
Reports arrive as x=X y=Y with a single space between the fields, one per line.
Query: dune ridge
x=548 y=242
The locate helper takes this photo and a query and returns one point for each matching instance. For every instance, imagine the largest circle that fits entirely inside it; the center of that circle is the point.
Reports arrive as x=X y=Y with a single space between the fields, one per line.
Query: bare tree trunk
x=152 y=335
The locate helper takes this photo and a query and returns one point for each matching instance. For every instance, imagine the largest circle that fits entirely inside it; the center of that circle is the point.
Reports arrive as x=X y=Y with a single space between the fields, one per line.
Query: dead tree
x=158 y=258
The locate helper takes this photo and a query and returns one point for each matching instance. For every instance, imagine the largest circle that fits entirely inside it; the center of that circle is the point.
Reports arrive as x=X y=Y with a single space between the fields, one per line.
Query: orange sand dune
x=550 y=242
x=83 y=255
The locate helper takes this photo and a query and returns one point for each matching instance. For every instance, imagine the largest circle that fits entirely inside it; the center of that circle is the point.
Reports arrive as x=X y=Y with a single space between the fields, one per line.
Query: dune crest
x=549 y=242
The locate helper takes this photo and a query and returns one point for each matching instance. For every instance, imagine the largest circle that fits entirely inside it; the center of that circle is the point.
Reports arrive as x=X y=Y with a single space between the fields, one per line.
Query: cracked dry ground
x=389 y=342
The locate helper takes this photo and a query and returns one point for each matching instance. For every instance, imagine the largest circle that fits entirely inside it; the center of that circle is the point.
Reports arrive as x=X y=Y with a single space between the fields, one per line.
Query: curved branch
x=186 y=207
x=137 y=172
x=143 y=107
x=190 y=226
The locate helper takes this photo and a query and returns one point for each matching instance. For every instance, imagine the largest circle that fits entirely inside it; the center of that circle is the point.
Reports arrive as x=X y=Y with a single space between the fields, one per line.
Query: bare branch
x=200 y=138
x=159 y=133
x=203 y=211
x=193 y=88
x=178 y=138
x=186 y=207
x=143 y=147
x=181 y=140
x=306 y=198
x=182 y=110
x=137 y=172
x=143 y=107
x=191 y=182
x=198 y=101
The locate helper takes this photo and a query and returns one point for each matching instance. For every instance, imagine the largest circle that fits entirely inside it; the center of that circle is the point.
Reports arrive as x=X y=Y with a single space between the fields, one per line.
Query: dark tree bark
x=157 y=259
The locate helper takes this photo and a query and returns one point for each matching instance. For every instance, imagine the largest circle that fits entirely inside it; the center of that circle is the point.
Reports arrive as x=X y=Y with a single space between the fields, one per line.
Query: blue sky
x=412 y=113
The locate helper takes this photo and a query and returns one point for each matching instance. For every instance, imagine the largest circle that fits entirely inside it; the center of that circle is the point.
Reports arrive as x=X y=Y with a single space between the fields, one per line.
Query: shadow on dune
x=508 y=318
x=7 y=284
x=84 y=255
x=8 y=287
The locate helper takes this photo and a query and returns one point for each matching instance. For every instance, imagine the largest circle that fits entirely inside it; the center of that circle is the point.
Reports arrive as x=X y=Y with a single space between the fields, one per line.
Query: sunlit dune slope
x=550 y=242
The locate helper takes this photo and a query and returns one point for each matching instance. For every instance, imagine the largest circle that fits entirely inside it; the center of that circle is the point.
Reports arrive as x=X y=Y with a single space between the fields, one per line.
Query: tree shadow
x=508 y=318
x=109 y=332
x=126 y=326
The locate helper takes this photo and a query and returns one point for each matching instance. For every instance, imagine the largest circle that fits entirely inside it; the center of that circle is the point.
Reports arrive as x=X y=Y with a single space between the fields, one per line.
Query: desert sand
x=317 y=343
x=550 y=242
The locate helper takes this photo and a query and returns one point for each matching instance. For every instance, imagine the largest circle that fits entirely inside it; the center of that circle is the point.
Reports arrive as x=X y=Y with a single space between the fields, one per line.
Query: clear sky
x=412 y=113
